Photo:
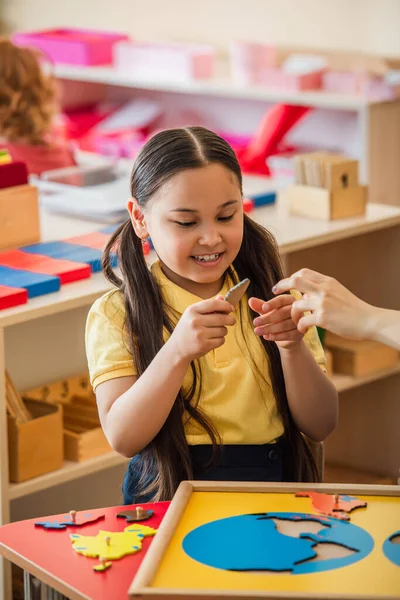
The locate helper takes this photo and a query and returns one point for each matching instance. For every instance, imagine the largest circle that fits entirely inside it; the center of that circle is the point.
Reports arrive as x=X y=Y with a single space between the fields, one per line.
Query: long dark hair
x=166 y=459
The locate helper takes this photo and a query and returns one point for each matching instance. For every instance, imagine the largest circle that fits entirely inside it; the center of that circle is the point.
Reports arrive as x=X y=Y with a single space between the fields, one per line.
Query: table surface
x=48 y=554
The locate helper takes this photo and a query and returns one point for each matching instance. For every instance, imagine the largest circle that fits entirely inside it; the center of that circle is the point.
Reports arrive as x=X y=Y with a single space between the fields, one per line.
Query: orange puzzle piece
x=333 y=505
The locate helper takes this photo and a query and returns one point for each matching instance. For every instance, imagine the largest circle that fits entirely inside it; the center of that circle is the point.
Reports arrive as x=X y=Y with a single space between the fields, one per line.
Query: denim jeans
x=235 y=463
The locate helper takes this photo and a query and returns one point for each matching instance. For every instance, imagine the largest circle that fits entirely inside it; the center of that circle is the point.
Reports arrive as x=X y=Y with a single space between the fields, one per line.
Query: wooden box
x=83 y=435
x=35 y=447
x=19 y=216
x=359 y=358
x=321 y=203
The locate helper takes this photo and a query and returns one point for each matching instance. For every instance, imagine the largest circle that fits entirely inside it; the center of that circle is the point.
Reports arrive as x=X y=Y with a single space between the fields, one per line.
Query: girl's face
x=195 y=221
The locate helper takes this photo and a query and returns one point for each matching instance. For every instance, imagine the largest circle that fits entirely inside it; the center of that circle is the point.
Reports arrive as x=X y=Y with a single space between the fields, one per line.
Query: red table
x=48 y=555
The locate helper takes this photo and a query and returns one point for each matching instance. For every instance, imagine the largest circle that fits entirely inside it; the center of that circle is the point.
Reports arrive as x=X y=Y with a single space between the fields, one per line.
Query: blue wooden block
x=263 y=199
x=73 y=252
x=36 y=284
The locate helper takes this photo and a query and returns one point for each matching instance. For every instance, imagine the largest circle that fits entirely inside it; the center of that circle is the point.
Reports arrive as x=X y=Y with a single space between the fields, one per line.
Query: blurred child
x=28 y=108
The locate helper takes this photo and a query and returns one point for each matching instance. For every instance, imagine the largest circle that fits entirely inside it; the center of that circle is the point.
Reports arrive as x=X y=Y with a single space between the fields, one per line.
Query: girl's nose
x=210 y=238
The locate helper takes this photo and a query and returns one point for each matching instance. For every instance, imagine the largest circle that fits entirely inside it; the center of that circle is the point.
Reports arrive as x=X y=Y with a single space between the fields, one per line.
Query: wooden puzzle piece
x=103 y=565
x=112 y=545
x=236 y=293
x=391 y=548
x=336 y=505
x=69 y=521
x=137 y=514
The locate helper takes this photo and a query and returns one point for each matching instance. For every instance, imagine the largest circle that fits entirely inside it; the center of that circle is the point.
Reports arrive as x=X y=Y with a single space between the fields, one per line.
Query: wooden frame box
x=19 y=216
x=320 y=203
x=83 y=435
x=35 y=447
x=359 y=358
x=169 y=571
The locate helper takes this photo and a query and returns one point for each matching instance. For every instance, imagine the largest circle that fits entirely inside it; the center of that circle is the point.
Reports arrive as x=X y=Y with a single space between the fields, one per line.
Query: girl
x=186 y=384
x=28 y=105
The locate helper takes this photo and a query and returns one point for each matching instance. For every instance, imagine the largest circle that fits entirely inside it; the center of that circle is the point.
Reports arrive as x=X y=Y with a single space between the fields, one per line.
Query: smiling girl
x=187 y=385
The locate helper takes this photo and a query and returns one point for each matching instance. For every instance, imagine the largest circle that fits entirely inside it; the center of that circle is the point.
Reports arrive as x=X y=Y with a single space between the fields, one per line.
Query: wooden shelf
x=69 y=472
x=223 y=87
x=348 y=382
x=341 y=474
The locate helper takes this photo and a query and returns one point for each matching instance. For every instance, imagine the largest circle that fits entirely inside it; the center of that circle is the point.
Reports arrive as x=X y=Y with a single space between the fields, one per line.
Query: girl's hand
x=202 y=328
x=277 y=321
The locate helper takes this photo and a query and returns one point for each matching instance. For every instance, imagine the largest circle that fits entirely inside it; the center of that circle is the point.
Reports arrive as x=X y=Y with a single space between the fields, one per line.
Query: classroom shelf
x=223 y=87
x=348 y=382
x=342 y=474
x=69 y=472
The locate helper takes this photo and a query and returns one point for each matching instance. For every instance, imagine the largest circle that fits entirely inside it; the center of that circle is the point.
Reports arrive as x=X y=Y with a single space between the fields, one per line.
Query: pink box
x=165 y=61
x=277 y=78
x=348 y=82
x=247 y=58
x=72 y=46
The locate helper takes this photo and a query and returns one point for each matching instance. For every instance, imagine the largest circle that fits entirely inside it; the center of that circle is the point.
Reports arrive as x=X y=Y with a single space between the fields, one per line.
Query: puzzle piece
x=112 y=545
x=137 y=514
x=333 y=505
x=236 y=293
x=69 y=522
x=102 y=566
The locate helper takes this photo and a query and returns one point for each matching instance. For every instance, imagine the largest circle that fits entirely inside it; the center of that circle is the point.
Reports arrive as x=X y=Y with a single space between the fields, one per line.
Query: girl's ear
x=137 y=219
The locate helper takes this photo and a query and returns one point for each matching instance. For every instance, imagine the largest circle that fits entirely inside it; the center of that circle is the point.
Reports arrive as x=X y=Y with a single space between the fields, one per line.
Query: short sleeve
x=107 y=351
x=312 y=339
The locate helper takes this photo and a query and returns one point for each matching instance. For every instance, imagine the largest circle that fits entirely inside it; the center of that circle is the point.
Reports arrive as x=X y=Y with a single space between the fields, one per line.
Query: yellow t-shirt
x=240 y=403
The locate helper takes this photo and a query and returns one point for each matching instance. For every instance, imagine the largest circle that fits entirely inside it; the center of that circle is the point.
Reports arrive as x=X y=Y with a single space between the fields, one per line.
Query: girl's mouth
x=208 y=260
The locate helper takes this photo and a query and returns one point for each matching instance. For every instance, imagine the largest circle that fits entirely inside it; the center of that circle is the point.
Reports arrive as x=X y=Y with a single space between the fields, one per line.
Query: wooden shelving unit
x=376 y=124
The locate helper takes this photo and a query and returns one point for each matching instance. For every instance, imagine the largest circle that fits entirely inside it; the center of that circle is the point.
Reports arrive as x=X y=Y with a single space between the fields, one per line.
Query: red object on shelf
x=10 y=297
x=276 y=124
x=67 y=270
x=73 y=46
x=12 y=174
x=248 y=205
x=96 y=240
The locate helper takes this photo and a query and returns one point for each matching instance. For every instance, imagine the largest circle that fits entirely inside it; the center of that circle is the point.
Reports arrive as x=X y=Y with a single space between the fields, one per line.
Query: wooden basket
x=35 y=447
x=83 y=435
x=19 y=216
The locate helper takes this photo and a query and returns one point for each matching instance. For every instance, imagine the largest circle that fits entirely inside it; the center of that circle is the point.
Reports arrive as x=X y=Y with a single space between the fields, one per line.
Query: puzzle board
x=209 y=545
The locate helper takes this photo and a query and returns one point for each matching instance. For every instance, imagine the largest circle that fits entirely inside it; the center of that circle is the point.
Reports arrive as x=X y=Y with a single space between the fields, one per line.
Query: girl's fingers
x=217 y=332
x=218 y=320
x=306 y=322
x=285 y=336
x=273 y=317
x=277 y=302
x=213 y=305
x=282 y=326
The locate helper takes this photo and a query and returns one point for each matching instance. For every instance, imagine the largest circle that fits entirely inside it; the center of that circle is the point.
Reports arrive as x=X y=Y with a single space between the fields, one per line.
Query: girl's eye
x=225 y=219
x=185 y=223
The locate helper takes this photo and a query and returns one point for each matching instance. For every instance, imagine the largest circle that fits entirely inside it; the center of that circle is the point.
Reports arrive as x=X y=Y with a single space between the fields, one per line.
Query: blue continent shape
x=253 y=543
x=392 y=550
x=248 y=544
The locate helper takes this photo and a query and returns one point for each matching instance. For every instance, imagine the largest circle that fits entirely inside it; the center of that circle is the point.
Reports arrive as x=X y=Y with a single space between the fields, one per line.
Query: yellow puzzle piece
x=112 y=545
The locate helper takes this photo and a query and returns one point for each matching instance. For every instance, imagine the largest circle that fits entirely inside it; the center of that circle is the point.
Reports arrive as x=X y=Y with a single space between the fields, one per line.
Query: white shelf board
x=215 y=87
x=70 y=471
